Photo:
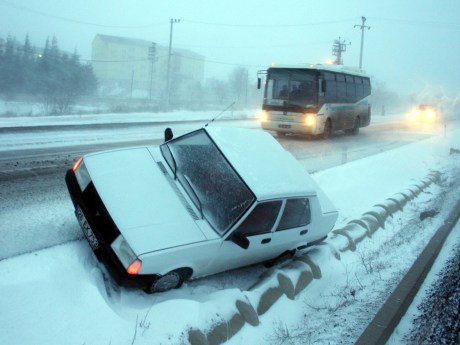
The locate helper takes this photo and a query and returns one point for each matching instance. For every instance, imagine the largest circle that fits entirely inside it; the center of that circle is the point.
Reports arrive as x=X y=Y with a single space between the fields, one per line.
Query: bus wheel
x=327 y=129
x=355 y=129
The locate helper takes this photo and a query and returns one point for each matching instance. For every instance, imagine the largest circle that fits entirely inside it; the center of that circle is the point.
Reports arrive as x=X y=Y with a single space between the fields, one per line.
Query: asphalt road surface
x=34 y=195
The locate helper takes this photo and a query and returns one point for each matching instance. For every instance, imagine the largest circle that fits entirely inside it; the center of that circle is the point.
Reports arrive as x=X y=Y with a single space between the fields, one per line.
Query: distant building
x=126 y=65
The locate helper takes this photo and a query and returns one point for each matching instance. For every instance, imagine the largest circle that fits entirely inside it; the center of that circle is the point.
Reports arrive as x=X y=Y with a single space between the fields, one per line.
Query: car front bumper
x=90 y=208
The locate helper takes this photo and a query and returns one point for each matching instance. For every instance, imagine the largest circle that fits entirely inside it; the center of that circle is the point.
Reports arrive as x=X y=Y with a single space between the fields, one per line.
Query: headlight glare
x=263 y=116
x=310 y=119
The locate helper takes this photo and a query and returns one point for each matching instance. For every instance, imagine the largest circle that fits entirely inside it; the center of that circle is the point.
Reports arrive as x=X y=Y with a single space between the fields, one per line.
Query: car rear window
x=296 y=213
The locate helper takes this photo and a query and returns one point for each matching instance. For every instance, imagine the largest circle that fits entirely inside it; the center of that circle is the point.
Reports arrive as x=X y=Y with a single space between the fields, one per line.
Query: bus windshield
x=291 y=86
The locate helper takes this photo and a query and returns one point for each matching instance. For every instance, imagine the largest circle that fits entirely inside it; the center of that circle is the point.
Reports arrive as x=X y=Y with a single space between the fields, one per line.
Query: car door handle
x=303 y=232
x=266 y=240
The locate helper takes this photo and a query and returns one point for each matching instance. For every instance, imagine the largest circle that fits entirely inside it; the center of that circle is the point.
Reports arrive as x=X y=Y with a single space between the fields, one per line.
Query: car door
x=292 y=229
x=257 y=228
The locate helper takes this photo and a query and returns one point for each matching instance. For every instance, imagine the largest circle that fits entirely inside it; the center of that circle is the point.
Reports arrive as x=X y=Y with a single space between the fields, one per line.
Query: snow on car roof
x=268 y=169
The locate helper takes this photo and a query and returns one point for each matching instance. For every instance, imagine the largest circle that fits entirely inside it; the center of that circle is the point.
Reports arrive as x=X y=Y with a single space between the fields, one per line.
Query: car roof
x=268 y=170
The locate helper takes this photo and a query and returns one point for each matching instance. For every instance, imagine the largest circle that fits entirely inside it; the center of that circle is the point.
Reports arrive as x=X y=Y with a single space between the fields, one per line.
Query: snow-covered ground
x=61 y=295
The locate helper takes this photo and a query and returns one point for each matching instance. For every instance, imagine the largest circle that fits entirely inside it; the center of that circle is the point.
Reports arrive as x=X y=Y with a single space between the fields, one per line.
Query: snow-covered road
x=61 y=294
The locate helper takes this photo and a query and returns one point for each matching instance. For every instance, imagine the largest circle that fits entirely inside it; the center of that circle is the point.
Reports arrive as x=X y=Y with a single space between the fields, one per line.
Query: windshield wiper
x=173 y=160
x=200 y=206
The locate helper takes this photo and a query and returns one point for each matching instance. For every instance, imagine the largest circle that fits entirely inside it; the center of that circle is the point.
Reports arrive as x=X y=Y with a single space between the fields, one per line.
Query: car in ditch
x=205 y=202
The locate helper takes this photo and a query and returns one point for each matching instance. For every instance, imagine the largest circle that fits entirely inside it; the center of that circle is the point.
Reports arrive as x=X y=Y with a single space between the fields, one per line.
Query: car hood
x=141 y=199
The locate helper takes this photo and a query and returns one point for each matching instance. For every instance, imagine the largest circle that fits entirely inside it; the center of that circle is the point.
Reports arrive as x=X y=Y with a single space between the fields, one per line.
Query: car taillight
x=134 y=267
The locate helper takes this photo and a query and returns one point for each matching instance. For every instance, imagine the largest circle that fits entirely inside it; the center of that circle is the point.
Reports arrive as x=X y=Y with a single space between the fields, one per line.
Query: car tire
x=287 y=255
x=327 y=129
x=169 y=281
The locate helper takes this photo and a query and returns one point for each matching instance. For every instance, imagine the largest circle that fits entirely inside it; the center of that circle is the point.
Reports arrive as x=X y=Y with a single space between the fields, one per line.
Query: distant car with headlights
x=425 y=113
x=208 y=201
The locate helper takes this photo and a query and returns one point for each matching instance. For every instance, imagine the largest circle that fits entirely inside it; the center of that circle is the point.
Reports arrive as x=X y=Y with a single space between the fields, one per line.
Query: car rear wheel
x=169 y=281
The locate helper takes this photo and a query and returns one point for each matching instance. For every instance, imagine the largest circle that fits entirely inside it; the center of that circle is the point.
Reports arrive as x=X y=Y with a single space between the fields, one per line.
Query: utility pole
x=152 y=53
x=338 y=48
x=362 y=27
x=169 y=61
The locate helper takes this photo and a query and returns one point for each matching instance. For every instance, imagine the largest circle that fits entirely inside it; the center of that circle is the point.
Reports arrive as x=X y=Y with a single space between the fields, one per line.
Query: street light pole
x=362 y=27
x=169 y=61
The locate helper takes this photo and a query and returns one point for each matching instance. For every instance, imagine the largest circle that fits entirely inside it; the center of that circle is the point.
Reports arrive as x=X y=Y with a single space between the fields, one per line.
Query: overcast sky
x=412 y=46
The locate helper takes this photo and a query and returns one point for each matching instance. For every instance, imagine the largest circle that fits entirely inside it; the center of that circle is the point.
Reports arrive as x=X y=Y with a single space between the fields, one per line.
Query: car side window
x=296 y=213
x=261 y=219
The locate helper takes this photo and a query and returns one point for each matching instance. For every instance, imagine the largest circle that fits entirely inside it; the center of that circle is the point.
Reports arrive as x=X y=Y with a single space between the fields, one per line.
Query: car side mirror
x=259 y=82
x=168 y=134
x=240 y=240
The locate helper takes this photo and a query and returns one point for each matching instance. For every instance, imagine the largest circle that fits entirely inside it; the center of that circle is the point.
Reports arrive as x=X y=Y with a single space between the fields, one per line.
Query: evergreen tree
x=57 y=78
x=26 y=76
x=9 y=68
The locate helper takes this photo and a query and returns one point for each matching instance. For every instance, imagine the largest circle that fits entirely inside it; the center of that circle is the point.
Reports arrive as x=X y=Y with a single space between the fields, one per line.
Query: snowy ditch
x=293 y=277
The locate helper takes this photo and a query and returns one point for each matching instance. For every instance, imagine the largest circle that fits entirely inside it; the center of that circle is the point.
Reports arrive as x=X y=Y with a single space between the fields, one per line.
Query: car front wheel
x=169 y=281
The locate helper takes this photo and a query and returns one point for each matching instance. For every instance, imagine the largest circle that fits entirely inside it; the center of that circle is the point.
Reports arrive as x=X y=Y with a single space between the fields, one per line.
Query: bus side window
x=367 y=87
x=341 y=88
x=359 y=88
x=322 y=87
x=351 y=89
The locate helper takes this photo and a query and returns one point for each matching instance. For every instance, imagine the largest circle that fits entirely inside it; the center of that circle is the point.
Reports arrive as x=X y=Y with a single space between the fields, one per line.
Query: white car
x=209 y=201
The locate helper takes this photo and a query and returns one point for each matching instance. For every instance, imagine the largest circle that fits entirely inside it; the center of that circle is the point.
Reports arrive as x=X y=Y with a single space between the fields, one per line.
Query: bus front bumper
x=289 y=127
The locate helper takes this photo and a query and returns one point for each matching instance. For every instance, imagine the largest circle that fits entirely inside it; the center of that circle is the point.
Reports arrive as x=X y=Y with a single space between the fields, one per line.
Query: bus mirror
x=259 y=81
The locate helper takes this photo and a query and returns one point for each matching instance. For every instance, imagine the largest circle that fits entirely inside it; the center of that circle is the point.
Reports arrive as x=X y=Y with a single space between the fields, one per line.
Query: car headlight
x=81 y=174
x=126 y=255
x=310 y=119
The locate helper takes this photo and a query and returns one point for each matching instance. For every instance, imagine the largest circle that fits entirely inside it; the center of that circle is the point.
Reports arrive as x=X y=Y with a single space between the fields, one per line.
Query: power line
x=75 y=21
x=253 y=46
x=424 y=23
x=271 y=25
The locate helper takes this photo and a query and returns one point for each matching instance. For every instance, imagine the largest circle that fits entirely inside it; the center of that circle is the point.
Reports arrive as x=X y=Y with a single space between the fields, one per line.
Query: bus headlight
x=263 y=116
x=310 y=119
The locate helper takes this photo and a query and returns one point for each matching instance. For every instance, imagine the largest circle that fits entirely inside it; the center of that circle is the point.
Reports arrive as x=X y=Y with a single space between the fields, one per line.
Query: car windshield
x=210 y=181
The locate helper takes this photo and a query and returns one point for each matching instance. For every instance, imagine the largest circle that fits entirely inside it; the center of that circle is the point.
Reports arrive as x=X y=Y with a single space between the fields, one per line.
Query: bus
x=315 y=100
